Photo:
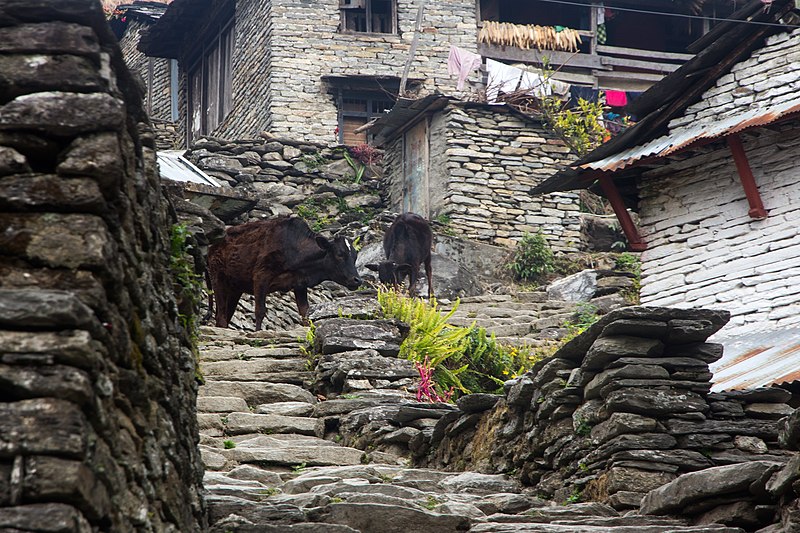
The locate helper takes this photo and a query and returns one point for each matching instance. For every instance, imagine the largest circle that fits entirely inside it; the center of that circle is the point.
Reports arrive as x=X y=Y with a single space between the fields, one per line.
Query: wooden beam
x=757 y=210
x=635 y=52
x=512 y=53
x=636 y=63
x=635 y=241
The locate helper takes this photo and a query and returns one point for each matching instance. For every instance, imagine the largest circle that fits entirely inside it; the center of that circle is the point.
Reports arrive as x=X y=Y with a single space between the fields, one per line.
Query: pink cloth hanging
x=616 y=98
x=462 y=62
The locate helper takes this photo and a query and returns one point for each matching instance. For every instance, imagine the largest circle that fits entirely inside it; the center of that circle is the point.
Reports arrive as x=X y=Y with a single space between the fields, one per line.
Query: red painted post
x=746 y=175
x=635 y=241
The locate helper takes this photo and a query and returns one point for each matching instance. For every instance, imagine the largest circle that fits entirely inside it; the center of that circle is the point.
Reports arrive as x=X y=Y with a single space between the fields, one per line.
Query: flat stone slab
x=242 y=423
x=709 y=483
x=221 y=404
x=286 y=409
x=296 y=455
x=256 y=392
x=391 y=518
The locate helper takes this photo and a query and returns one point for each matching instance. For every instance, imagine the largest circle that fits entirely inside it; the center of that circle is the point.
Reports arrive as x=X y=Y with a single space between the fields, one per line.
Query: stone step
x=257 y=392
x=210 y=352
x=243 y=423
x=292 y=371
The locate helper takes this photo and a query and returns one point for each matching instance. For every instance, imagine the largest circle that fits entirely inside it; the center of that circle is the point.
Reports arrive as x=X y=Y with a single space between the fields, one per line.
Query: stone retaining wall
x=617 y=412
x=483 y=162
x=98 y=430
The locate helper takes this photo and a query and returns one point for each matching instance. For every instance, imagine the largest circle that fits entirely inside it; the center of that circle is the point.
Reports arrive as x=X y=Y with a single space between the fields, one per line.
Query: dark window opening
x=210 y=97
x=368 y=16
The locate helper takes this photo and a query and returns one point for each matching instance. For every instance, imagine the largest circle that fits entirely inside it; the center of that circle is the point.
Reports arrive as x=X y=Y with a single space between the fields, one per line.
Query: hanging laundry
x=601 y=25
x=616 y=98
x=507 y=79
x=462 y=62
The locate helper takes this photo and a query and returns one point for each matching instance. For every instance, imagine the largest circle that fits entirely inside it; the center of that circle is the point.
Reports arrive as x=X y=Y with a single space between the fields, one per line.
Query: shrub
x=532 y=258
x=459 y=360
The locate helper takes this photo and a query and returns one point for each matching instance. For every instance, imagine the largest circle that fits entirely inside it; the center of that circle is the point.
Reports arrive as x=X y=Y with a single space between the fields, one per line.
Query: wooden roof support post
x=746 y=175
x=635 y=241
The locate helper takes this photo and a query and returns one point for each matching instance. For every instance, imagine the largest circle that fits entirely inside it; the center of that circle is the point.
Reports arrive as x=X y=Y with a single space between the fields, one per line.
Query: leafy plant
x=229 y=444
x=299 y=468
x=629 y=262
x=575 y=496
x=532 y=258
x=358 y=167
x=585 y=316
x=443 y=219
x=454 y=360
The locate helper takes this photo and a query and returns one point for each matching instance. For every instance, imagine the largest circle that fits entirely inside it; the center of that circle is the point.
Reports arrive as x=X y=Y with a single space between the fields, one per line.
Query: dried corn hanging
x=529 y=36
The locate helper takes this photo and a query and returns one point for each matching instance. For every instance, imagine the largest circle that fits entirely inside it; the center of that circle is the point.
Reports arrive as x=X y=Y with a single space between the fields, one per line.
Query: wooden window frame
x=369 y=96
x=345 y=8
x=210 y=74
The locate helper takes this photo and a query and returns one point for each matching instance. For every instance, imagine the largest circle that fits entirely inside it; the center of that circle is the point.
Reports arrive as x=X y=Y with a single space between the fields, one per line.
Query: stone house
x=309 y=70
x=473 y=164
x=128 y=22
x=712 y=172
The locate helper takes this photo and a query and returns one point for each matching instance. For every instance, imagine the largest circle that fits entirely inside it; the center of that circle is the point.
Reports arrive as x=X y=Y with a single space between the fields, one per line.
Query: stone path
x=525 y=318
x=268 y=469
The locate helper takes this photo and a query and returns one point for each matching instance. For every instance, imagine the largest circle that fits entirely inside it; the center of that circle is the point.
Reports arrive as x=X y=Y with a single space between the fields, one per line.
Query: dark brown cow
x=275 y=255
x=407 y=244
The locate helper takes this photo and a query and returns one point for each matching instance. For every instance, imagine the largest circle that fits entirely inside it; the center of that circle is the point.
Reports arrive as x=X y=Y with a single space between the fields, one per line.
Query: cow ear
x=404 y=269
x=371 y=266
x=323 y=243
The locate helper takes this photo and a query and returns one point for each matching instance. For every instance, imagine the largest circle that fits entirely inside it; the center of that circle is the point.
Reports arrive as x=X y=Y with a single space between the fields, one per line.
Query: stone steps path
x=269 y=469
x=526 y=318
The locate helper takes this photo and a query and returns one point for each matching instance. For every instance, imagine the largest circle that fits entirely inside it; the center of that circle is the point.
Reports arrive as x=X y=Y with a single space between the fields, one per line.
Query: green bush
x=532 y=258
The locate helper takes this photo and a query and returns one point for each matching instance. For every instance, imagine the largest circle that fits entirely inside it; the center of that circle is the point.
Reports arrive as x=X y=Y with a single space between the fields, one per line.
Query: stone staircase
x=526 y=318
x=269 y=469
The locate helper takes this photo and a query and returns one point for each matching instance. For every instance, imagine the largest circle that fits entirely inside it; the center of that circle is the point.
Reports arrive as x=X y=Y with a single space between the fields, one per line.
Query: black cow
x=407 y=244
x=273 y=255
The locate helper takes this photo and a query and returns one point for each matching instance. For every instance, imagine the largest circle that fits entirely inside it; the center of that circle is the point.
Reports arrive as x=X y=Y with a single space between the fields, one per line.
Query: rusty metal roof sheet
x=687 y=136
x=758 y=360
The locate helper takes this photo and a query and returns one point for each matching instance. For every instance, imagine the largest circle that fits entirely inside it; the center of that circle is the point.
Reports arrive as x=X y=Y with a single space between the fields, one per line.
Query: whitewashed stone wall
x=284 y=47
x=768 y=77
x=704 y=249
x=483 y=162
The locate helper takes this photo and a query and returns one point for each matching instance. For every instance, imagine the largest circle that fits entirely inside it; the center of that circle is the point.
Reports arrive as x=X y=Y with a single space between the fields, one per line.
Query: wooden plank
x=643 y=76
x=644 y=65
x=510 y=53
x=635 y=241
x=635 y=52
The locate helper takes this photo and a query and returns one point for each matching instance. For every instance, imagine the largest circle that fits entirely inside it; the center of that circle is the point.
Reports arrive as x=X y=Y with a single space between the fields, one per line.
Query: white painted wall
x=705 y=250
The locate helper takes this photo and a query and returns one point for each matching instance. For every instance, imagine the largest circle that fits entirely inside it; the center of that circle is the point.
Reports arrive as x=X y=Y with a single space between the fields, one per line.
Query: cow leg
x=301 y=299
x=413 y=276
x=260 y=294
x=229 y=306
x=429 y=275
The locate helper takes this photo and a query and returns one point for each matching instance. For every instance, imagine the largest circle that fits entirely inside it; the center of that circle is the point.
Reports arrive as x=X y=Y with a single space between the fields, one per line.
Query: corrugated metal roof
x=173 y=166
x=758 y=360
x=687 y=136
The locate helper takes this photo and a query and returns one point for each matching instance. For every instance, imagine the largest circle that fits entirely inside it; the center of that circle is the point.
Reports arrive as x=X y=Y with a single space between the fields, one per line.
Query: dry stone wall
x=98 y=430
x=484 y=161
x=154 y=72
x=623 y=410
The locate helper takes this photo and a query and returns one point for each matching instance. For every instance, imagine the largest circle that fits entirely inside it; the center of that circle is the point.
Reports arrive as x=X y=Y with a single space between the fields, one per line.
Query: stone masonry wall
x=481 y=175
x=98 y=430
x=283 y=48
x=705 y=250
x=622 y=410
x=158 y=102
